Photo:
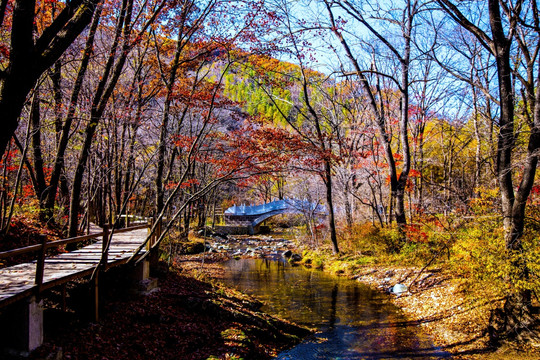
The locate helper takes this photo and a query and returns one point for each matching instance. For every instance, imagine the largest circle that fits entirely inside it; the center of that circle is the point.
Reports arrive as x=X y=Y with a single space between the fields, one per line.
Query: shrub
x=478 y=254
x=312 y=259
x=363 y=240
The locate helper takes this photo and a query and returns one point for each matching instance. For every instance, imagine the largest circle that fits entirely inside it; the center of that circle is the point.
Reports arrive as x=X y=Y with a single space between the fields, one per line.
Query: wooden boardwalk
x=18 y=282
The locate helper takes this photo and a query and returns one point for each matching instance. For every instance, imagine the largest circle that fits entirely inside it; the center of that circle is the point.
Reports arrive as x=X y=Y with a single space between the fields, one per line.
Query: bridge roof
x=283 y=206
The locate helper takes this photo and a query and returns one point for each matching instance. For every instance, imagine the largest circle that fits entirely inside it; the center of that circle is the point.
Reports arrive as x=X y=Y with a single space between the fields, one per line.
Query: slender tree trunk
x=398 y=182
x=169 y=84
x=401 y=185
x=35 y=120
x=348 y=207
x=420 y=166
x=56 y=80
x=112 y=72
x=63 y=139
x=330 y=202
x=7 y=219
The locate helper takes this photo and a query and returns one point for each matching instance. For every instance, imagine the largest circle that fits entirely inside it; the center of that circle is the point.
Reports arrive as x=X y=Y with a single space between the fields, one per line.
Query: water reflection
x=353 y=321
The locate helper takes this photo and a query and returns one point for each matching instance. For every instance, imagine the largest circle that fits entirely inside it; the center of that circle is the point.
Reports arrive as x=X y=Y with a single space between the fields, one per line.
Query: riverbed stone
x=399 y=289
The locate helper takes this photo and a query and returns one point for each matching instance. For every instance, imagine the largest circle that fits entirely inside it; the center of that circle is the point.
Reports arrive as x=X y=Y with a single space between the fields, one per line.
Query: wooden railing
x=44 y=246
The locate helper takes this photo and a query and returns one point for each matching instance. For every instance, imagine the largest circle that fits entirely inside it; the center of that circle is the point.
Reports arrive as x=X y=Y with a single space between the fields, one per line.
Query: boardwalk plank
x=17 y=280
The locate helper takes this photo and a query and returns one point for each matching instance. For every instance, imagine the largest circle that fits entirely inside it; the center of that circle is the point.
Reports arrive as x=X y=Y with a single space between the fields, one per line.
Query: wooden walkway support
x=24 y=283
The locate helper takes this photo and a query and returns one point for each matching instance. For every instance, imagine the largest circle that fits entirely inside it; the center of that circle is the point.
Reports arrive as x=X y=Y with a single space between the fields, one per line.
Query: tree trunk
x=348 y=207
x=517 y=308
x=63 y=138
x=35 y=119
x=111 y=74
x=401 y=219
x=398 y=182
x=330 y=202
x=29 y=59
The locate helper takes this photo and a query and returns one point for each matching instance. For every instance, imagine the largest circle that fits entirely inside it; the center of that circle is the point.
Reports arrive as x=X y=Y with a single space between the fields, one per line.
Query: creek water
x=352 y=321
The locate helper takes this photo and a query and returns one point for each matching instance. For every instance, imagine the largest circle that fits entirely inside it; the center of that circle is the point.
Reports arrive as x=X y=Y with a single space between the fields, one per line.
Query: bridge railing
x=44 y=246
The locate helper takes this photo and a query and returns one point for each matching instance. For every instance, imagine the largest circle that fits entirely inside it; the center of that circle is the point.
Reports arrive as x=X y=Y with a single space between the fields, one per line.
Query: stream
x=352 y=320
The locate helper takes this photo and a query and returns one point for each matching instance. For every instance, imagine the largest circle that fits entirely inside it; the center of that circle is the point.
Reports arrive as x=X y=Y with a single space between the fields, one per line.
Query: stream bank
x=455 y=317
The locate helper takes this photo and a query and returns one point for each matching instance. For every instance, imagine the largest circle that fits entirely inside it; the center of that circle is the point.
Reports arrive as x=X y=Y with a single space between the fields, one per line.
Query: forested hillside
x=416 y=123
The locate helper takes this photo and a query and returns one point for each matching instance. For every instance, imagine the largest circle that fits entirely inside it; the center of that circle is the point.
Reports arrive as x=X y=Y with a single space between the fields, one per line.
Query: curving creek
x=352 y=320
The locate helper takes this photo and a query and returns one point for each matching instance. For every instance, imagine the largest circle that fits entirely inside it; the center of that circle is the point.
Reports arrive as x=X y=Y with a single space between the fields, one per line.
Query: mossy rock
x=192 y=247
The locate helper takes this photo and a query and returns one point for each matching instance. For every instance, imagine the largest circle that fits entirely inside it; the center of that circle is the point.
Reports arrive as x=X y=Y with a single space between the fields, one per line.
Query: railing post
x=102 y=266
x=40 y=265
x=95 y=314
x=158 y=234
x=151 y=240
x=153 y=257
x=105 y=246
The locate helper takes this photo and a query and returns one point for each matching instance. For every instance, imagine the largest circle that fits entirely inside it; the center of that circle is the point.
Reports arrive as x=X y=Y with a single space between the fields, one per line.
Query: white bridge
x=253 y=215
